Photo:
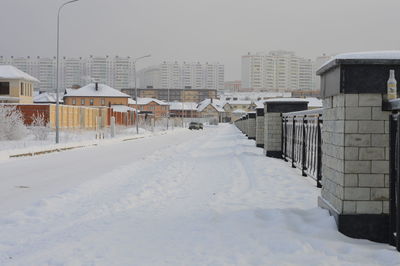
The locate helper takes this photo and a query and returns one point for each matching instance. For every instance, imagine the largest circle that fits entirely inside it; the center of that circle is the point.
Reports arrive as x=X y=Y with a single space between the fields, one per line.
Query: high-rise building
x=172 y=75
x=72 y=72
x=319 y=61
x=117 y=72
x=277 y=71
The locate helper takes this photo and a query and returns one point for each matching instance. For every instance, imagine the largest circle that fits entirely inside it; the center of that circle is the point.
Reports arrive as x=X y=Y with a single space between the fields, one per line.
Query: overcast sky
x=198 y=30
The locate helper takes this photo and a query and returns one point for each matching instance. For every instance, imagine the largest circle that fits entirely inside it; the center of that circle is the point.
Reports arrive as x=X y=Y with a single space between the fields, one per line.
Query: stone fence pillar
x=246 y=125
x=355 y=160
x=251 y=123
x=273 y=110
x=260 y=127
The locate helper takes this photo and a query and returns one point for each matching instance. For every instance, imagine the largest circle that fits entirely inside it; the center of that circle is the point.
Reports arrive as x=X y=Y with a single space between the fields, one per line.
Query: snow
x=239 y=111
x=90 y=91
x=217 y=104
x=191 y=106
x=47 y=97
x=144 y=101
x=187 y=198
x=13 y=73
x=377 y=55
x=122 y=108
x=286 y=100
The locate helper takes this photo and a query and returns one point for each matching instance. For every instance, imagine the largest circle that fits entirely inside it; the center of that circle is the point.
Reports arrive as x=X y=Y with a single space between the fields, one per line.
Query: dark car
x=195 y=125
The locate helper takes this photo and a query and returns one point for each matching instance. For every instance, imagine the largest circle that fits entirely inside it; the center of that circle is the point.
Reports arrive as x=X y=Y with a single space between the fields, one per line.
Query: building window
x=22 y=88
x=82 y=101
x=73 y=101
x=91 y=101
x=4 y=88
x=103 y=102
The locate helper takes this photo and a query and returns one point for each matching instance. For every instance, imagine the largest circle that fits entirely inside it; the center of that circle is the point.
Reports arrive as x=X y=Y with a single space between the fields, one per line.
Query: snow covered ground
x=186 y=198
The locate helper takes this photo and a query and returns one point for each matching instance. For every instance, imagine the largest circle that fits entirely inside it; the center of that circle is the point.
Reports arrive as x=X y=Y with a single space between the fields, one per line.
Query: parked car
x=195 y=125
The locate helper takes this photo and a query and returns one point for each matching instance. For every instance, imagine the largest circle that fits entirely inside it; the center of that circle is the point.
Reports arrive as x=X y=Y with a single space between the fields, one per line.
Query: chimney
x=211 y=100
x=96 y=86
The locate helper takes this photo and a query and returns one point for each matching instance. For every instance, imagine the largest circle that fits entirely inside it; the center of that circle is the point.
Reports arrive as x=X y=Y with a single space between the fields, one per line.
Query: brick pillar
x=273 y=110
x=260 y=127
x=251 y=125
x=355 y=160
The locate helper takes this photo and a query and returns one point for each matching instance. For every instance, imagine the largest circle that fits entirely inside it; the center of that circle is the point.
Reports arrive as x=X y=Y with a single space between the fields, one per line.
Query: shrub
x=40 y=127
x=11 y=123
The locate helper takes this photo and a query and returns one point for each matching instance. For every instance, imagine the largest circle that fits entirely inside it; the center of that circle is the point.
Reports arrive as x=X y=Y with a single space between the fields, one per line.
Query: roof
x=90 y=91
x=188 y=106
x=47 y=97
x=375 y=57
x=286 y=100
x=239 y=111
x=122 y=108
x=239 y=102
x=11 y=72
x=144 y=101
x=217 y=104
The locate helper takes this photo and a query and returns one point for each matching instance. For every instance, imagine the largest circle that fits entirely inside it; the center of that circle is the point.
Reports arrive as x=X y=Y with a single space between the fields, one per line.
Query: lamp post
x=137 y=114
x=57 y=74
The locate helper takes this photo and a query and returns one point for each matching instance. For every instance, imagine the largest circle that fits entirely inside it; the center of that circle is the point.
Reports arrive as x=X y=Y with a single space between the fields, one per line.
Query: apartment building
x=277 y=71
x=117 y=72
x=188 y=75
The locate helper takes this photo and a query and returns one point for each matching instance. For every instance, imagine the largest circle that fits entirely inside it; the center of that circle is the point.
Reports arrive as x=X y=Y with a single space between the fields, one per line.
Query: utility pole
x=137 y=110
x=57 y=72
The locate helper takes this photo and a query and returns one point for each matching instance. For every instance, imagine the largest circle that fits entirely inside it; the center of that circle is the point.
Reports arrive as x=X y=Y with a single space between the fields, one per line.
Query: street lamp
x=137 y=114
x=57 y=74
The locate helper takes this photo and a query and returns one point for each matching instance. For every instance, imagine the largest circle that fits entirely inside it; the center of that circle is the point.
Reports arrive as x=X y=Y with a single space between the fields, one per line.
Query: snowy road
x=189 y=198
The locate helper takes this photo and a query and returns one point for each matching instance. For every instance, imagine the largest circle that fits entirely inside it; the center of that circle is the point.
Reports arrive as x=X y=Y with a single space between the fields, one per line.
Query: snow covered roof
x=144 y=101
x=122 y=108
x=47 y=97
x=90 y=91
x=365 y=56
x=314 y=102
x=188 y=106
x=217 y=104
x=239 y=111
x=11 y=72
x=240 y=102
x=286 y=100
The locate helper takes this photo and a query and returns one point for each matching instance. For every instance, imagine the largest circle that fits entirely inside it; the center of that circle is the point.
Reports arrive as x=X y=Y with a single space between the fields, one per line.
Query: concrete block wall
x=260 y=131
x=251 y=126
x=355 y=162
x=272 y=132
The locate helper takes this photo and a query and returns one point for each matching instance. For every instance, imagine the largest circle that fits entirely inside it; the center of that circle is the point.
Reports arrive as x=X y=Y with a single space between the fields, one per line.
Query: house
x=47 y=97
x=151 y=106
x=189 y=109
x=212 y=109
x=95 y=94
x=16 y=86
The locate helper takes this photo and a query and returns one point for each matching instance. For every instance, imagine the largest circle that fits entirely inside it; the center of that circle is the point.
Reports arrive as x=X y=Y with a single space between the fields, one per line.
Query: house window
x=4 y=88
x=103 y=102
x=82 y=101
x=91 y=101
x=73 y=101
x=22 y=88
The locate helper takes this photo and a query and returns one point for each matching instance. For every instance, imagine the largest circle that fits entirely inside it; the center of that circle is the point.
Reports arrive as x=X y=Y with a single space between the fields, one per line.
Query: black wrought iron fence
x=301 y=141
x=394 y=172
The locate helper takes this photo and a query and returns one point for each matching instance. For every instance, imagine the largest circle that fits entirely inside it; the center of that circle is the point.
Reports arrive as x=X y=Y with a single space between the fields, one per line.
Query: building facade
x=188 y=75
x=170 y=95
x=277 y=71
x=117 y=72
x=16 y=86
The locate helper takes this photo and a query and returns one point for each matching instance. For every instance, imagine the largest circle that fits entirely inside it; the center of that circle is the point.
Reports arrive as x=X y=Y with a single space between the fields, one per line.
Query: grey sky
x=199 y=30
